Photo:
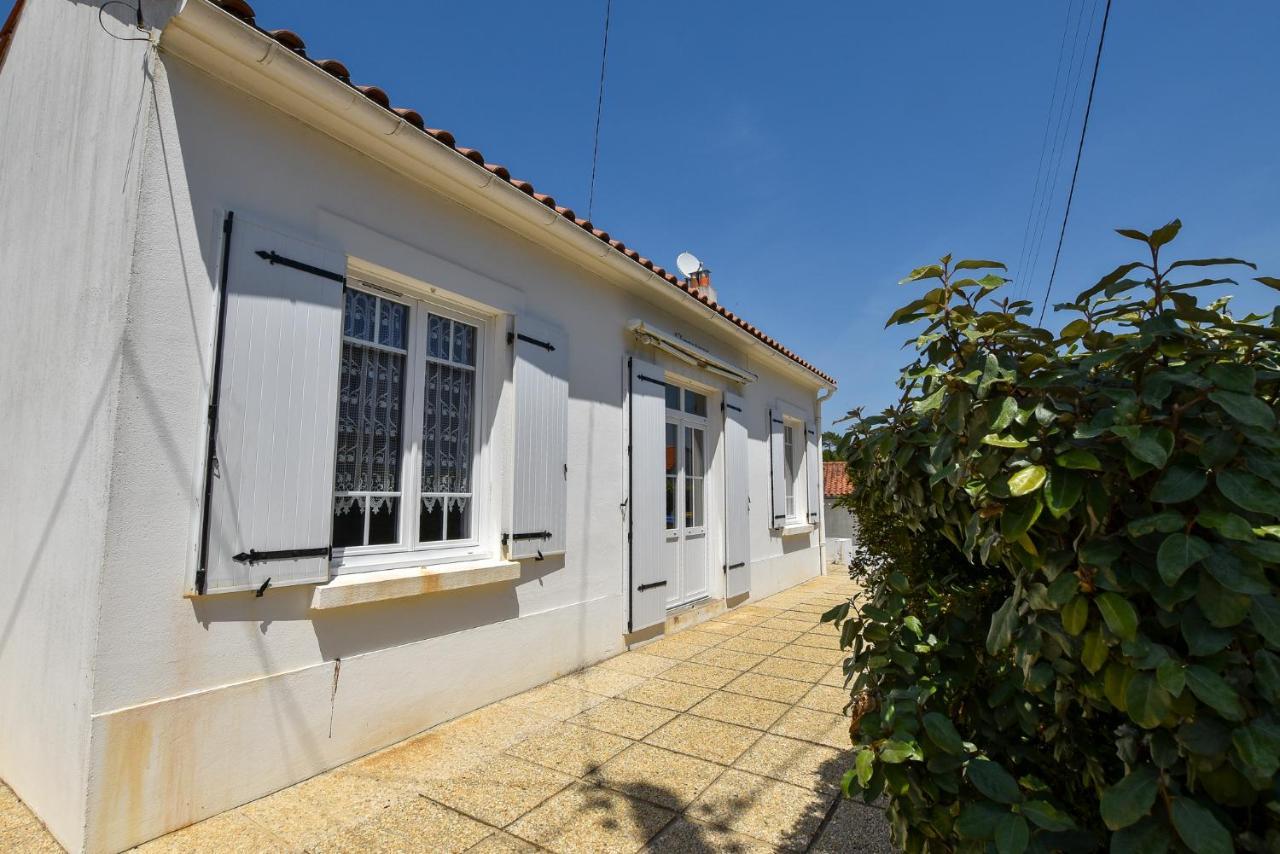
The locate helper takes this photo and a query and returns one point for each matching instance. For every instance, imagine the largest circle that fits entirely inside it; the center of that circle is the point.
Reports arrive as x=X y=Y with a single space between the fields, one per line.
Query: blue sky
x=812 y=154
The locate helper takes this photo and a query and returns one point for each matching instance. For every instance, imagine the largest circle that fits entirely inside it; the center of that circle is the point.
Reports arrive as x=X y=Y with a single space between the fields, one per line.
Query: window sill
x=362 y=588
x=792 y=529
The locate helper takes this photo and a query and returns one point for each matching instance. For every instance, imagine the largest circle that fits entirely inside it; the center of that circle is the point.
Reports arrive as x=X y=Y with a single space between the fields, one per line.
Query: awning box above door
x=690 y=353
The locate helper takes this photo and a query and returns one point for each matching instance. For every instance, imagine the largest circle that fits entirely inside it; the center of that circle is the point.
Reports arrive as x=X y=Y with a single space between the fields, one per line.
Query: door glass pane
x=672 y=473
x=673 y=397
x=693 y=448
x=694 y=403
x=694 y=513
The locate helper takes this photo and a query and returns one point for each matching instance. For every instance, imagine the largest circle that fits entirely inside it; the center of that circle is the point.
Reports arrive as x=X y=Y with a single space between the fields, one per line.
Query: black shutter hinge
x=274 y=258
x=263 y=588
x=651 y=585
x=201 y=574
x=517 y=336
x=736 y=565
x=649 y=379
x=253 y=556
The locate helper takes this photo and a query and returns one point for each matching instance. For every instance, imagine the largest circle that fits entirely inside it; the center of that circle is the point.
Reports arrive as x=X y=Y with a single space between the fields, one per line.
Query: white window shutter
x=270 y=490
x=777 y=471
x=541 y=380
x=813 y=472
x=647 y=517
x=737 y=529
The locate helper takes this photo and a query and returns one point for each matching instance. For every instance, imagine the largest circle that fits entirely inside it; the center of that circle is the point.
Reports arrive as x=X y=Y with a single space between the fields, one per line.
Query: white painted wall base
x=774 y=574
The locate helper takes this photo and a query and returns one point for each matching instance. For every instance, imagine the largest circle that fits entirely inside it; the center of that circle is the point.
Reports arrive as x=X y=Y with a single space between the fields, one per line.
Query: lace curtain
x=448 y=416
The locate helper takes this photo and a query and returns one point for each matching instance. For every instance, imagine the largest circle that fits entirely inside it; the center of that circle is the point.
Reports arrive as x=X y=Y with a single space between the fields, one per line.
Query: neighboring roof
x=290 y=40
x=6 y=31
x=835 y=479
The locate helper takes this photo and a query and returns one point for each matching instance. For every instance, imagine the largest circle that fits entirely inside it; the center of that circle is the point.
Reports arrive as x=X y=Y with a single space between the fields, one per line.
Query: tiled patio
x=727 y=736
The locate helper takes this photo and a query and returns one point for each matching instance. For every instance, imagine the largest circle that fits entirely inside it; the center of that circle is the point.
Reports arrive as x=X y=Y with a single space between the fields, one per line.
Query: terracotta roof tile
x=835 y=479
x=290 y=40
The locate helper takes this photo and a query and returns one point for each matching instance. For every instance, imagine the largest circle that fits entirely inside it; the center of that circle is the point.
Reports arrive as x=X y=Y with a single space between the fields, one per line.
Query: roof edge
x=8 y=28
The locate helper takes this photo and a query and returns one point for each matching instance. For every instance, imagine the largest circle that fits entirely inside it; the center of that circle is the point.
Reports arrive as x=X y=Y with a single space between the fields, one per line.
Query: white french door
x=685 y=553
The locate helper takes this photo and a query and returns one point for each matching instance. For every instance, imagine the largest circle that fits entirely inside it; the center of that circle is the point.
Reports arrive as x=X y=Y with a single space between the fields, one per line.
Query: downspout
x=823 y=397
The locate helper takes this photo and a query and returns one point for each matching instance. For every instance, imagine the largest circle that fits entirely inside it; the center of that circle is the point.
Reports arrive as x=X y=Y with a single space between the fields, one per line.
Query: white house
x=320 y=429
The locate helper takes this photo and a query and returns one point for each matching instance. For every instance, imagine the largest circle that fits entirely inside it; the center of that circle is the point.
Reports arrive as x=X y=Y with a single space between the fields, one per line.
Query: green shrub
x=1095 y=661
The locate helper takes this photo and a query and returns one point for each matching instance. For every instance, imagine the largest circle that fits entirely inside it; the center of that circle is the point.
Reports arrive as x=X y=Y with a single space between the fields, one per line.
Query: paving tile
x=778 y=813
x=716 y=741
x=834 y=677
x=674 y=648
x=497 y=792
x=659 y=776
x=768 y=687
x=495 y=727
x=570 y=748
x=760 y=647
x=692 y=673
x=312 y=811
x=624 y=717
x=825 y=698
x=779 y=635
x=790 y=668
x=585 y=818
x=699 y=634
x=719 y=657
x=818 y=727
x=638 y=663
x=744 y=619
x=723 y=629
x=228 y=833
x=683 y=836
x=420 y=826
x=786 y=624
x=814 y=654
x=677 y=696
x=501 y=842
x=810 y=608
x=601 y=680
x=740 y=709
x=30 y=837
x=560 y=702
x=427 y=757
x=801 y=763
x=854 y=827
x=821 y=641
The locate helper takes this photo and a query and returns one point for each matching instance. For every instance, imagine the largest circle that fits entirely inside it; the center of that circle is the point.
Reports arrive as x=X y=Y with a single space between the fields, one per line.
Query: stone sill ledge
x=796 y=529
x=361 y=588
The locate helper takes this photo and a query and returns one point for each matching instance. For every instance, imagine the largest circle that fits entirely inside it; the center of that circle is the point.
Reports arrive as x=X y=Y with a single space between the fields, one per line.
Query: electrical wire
x=137 y=10
x=595 y=150
x=1075 y=173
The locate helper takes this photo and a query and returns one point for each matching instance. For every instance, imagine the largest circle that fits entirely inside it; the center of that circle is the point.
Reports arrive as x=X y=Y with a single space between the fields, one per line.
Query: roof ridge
x=291 y=41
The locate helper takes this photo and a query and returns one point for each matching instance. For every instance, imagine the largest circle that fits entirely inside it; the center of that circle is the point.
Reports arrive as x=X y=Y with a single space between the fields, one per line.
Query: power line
x=595 y=152
x=1084 y=126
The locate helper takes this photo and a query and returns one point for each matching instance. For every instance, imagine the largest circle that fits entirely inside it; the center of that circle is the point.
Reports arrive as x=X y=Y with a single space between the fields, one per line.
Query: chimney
x=700 y=281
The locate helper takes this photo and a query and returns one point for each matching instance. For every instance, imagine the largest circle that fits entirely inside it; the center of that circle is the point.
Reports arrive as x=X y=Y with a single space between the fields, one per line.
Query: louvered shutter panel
x=648 y=498
x=737 y=530
x=813 y=472
x=541 y=380
x=777 y=471
x=270 y=493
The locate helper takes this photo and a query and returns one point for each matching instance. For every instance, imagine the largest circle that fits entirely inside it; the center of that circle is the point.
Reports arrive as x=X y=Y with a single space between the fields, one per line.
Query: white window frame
x=797 y=489
x=684 y=421
x=407 y=551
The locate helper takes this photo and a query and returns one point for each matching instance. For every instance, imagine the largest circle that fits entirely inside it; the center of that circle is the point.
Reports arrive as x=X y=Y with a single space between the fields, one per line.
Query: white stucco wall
x=197 y=705
x=71 y=102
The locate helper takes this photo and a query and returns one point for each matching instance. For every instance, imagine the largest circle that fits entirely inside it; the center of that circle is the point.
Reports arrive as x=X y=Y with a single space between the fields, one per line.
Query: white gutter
x=252 y=61
x=689 y=353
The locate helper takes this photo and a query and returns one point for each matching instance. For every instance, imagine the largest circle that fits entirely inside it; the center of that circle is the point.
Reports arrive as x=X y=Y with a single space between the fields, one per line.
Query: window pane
x=688 y=501
x=392 y=317
x=694 y=461
x=348 y=522
x=448 y=418
x=671 y=502
x=457 y=518
x=695 y=502
x=359 y=314
x=694 y=403
x=671 y=448
x=384 y=515
x=437 y=337
x=431 y=520
x=673 y=397
x=464 y=344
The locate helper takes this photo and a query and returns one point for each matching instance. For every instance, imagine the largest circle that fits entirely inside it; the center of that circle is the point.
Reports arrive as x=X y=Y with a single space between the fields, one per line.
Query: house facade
x=323 y=429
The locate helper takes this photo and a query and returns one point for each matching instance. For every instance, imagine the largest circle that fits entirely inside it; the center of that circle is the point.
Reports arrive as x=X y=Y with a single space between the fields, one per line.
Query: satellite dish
x=688 y=263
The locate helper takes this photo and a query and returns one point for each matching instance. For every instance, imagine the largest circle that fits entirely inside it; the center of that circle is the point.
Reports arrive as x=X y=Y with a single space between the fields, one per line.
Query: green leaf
x=930 y=403
x=913 y=624
x=1094 y=653
x=978 y=820
x=1250 y=492
x=992 y=780
x=1235 y=574
x=1151 y=446
x=1119 y=615
x=1018 y=517
x=1165 y=233
x=1259 y=745
x=928 y=271
x=1026 y=480
x=1214 y=692
x=1064 y=490
x=1148 y=836
x=1002 y=625
x=1170 y=675
x=1269 y=281
x=1078 y=458
x=1134 y=234
x=970 y=264
x=1198 y=828
x=1239 y=378
x=1179 y=483
x=1265 y=616
x=1003 y=441
x=1266 y=672
x=899 y=582
x=1245 y=408
x=1012 y=835
x=894 y=752
x=1075 y=614
x=1005 y=415
x=864 y=765
x=1209 y=262
x=1177 y=553
x=1047 y=817
x=943 y=732
x=1146 y=702
x=1163 y=523
x=1228 y=525
x=1130 y=799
